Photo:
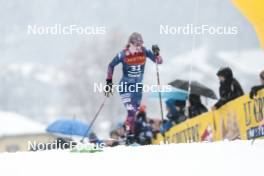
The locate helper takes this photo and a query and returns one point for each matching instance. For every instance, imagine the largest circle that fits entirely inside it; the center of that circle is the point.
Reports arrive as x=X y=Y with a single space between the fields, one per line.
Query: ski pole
x=95 y=117
x=160 y=98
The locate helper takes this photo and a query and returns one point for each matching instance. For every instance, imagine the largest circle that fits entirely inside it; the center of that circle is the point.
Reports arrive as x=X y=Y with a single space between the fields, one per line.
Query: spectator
x=175 y=111
x=195 y=106
x=94 y=139
x=114 y=135
x=255 y=89
x=114 y=139
x=120 y=129
x=172 y=114
x=180 y=107
x=229 y=87
x=155 y=126
x=166 y=125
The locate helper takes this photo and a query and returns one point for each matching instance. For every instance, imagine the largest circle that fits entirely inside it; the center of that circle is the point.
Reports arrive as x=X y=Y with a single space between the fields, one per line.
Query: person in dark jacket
x=172 y=111
x=175 y=111
x=195 y=106
x=229 y=87
x=180 y=107
x=254 y=90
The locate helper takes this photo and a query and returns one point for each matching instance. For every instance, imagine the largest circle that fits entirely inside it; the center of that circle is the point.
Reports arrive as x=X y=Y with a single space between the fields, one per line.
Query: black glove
x=155 y=50
x=109 y=87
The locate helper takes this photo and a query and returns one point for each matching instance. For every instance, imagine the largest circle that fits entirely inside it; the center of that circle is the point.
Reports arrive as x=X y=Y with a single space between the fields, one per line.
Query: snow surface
x=196 y=159
x=16 y=124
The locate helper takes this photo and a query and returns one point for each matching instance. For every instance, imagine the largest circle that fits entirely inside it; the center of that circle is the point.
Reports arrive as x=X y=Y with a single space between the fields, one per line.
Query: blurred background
x=47 y=77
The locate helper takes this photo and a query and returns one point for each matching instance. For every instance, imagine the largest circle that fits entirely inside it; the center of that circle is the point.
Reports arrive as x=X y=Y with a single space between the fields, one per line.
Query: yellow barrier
x=238 y=119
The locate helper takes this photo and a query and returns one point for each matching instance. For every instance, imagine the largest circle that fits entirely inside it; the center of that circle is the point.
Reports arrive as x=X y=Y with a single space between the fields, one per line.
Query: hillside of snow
x=196 y=159
x=16 y=124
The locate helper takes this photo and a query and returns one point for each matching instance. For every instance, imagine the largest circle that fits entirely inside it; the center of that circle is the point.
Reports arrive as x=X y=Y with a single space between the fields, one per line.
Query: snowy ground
x=217 y=159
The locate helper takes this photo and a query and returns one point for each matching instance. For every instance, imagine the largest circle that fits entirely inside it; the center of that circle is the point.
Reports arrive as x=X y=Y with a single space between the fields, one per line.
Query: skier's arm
x=152 y=57
x=109 y=83
x=116 y=60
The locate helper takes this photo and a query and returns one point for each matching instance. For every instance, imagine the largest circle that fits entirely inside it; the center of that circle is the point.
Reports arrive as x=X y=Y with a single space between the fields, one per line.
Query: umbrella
x=253 y=11
x=196 y=88
x=68 y=127
x=173 y=94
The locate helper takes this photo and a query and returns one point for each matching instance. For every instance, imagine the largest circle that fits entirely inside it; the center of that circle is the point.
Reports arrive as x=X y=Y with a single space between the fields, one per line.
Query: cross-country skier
x=133 y=59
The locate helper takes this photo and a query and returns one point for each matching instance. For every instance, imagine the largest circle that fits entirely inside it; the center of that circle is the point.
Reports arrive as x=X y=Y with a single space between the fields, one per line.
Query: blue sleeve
x=115 y=61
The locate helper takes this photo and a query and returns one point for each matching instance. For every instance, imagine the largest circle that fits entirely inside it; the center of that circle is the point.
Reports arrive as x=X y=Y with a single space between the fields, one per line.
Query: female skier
x=133 y=59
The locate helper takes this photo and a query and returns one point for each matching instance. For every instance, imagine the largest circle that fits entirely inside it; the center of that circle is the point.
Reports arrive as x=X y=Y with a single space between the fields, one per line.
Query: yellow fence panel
x=238 y=119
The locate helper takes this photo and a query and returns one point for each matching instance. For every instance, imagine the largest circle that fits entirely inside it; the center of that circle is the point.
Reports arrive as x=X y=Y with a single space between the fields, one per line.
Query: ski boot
x=129 y=134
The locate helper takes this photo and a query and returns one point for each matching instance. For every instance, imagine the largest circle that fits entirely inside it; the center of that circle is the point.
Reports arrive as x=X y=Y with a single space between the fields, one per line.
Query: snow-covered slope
x=197 y=159
x=16 y=124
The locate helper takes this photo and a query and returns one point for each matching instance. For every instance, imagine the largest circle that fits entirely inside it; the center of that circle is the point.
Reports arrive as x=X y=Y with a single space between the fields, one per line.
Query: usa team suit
x=133 y=71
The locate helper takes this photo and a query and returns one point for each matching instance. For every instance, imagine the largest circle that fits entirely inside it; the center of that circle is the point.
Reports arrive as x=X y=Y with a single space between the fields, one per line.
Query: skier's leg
x=135 y=102
x=131 y=111
x=131 y=101
x=131 y=117
x=138 y=98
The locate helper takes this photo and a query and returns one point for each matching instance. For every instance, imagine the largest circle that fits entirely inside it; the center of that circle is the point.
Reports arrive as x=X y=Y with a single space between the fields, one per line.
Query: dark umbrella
x=196 y=88
x=68 y=127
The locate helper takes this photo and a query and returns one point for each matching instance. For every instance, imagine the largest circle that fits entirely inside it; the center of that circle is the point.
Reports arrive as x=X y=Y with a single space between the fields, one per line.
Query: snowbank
x=16 y=124
x=217 y=159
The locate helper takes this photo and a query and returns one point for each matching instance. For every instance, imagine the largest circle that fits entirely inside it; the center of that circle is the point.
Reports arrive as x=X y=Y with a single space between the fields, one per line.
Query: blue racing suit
x=130 y=85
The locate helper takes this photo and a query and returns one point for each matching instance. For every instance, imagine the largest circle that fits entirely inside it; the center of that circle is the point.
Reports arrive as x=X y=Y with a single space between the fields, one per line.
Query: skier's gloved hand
x=155 y=50
x=109 y=87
